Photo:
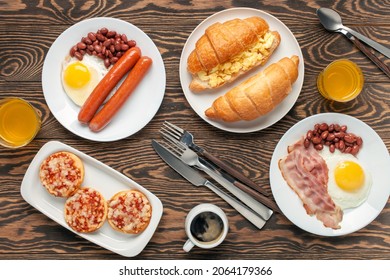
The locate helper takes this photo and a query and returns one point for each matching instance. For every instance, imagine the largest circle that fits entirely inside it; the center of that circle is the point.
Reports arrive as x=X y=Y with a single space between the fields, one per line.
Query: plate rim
x=98 y=136
x=275 y=169
x=53 y=146
x=222 y=125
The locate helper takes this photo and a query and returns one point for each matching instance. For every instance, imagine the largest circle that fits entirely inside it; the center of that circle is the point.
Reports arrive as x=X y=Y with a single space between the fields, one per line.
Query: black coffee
x=206 y=226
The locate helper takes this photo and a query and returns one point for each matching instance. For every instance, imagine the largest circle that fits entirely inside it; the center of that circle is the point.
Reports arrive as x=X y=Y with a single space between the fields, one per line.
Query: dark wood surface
x=28 y=28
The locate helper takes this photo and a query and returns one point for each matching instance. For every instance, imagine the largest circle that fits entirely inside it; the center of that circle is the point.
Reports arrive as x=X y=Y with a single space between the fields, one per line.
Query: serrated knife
x=196 y=179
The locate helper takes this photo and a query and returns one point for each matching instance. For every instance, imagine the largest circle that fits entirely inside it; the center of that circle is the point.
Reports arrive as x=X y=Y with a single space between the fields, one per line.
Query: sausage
x=109 y=81
x=104 y=116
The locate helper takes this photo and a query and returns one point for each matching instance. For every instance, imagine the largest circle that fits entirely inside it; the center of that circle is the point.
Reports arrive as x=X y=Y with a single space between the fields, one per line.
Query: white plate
x=201 y=101
x=138 y=110
x=102 y=178
x=373 y=154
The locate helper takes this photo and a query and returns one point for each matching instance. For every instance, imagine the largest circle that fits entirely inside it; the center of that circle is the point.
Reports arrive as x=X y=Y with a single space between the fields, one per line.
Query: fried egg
x=79 y=78
x=349 y=181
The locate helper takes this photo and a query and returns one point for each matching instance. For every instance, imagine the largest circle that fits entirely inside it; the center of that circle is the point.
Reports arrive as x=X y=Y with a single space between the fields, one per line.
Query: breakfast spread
x=104 y=68
x=258 y=95
x=129 y=212
x=62 y=174
x=86 y=210
x=327 y=181
x=230 y=49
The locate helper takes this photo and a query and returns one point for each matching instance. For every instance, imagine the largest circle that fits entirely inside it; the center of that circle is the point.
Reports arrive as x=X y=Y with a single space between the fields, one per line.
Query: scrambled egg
x=243 y=61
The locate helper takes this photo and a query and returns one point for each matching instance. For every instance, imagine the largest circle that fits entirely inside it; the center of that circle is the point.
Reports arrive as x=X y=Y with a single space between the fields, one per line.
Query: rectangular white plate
x=102 y=178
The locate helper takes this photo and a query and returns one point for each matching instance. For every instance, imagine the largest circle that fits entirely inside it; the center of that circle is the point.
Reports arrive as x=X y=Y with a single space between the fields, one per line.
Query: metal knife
x=245 y=198
x=196 y=179
x=251 y=192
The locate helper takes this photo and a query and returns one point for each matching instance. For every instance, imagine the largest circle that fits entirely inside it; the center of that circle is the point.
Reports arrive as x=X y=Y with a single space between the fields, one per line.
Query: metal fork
x=186 y=155
x=188 y=139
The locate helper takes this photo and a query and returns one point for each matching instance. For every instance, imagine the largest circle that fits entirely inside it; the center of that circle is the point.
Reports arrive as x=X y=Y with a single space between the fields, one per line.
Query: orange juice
x=341 y=81
x=19 y=122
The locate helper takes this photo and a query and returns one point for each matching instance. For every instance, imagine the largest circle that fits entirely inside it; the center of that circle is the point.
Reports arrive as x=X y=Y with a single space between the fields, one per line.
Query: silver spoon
x=331 y=20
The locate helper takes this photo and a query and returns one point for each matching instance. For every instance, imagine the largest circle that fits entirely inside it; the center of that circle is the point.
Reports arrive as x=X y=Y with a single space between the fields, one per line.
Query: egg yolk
x=77 y=75
x=349 y=175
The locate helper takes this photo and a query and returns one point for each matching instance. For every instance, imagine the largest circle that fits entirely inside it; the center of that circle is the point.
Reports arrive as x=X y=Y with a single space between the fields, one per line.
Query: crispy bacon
x=306 y=172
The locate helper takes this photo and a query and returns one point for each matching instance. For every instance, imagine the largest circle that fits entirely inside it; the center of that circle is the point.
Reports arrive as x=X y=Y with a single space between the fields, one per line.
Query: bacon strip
x=306 y=172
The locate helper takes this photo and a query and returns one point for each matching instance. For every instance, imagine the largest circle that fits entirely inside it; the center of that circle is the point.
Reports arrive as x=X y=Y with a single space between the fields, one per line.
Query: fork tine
x=165 y=131
x=171 y=148
x=174 y=127
x=168 y=137
x=172 y=131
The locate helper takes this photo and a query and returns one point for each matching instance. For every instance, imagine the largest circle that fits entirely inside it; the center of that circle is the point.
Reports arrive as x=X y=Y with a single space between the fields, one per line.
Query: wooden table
x=29 y=28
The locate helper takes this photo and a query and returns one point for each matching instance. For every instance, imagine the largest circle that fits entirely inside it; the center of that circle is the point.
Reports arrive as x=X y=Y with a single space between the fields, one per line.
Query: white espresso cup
x=206 y=226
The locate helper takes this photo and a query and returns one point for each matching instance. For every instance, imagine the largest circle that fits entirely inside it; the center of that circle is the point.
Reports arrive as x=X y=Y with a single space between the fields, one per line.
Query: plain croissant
x=230 y=49
x=258 y=95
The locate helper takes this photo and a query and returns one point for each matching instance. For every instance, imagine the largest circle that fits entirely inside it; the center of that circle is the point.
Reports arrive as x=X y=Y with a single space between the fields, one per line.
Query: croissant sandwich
x=258 y=95
x=228 y=50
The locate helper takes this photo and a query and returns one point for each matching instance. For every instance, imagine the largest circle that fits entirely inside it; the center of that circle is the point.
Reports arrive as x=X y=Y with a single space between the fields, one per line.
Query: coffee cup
x=206 y=226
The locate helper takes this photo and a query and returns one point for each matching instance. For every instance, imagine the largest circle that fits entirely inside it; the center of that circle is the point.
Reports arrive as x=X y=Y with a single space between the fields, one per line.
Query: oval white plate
x=138 y=110
x=102 y=178
x=373 y=154
x=203 y=100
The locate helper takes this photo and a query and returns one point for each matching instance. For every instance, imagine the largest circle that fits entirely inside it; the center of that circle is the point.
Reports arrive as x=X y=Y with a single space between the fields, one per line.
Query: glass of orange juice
x=19 y=122
x=342 y=80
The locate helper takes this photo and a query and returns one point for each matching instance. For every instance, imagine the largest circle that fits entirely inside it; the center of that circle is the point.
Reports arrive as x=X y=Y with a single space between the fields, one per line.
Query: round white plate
x=138 y=110
x=203 y=100
x=373 y=155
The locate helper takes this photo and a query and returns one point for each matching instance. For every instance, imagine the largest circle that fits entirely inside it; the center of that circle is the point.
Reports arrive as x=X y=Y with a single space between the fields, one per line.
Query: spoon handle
x=370 y=55
x=380 y=48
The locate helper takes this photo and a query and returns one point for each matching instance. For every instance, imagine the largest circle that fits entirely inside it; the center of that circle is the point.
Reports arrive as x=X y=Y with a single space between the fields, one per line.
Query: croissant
x=228 y=50
x=258 y=95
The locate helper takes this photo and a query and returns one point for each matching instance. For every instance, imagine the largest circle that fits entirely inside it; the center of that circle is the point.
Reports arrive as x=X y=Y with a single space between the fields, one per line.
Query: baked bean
x=105 y=44
x=131 y=43
x=92 y=36
x=334 y=136
x=124 y=47
x=81 y=46
x=98 y=48
x=355 y=149
x=104 y=31
x=111 y=34
x=349 y=138
x=319 y=147
x=323 y=126
x=306 y=143
x=341 y=145
x=78 y=55
x=100 y=37
x=330 y=137
x=316 y=140
x=359 y=141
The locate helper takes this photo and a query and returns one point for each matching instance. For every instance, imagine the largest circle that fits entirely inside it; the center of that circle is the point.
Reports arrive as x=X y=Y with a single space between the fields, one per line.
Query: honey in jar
x=19 y=122
x=342 y=80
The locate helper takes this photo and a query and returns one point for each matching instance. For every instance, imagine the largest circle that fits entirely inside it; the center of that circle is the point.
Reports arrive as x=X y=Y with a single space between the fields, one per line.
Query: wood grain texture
x=29 y=28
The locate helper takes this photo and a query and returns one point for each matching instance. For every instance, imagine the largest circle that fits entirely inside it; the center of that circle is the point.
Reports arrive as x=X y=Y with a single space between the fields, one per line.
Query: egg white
x=345 y=199
x=97 y=70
